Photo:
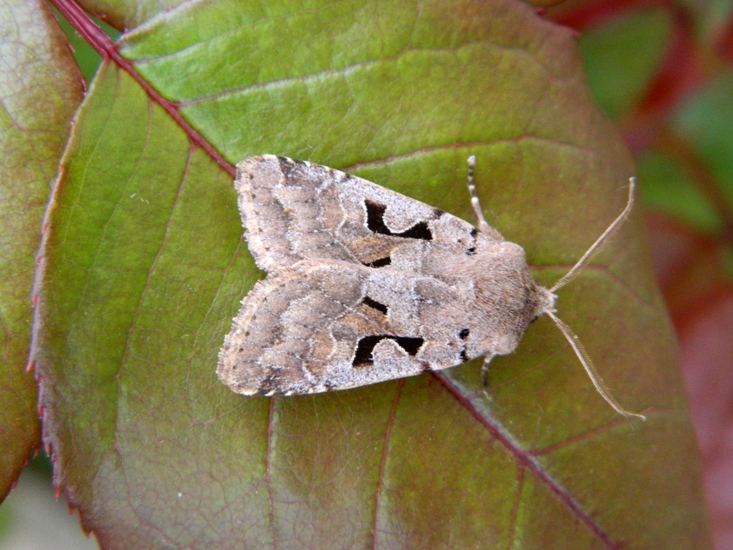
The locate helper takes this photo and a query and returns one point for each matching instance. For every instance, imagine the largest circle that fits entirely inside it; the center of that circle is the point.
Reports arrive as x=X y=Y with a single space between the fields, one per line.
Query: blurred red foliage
x=690 y=265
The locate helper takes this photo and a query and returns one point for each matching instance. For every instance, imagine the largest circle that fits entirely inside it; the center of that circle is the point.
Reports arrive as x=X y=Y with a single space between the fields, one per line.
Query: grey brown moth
x=365 y=285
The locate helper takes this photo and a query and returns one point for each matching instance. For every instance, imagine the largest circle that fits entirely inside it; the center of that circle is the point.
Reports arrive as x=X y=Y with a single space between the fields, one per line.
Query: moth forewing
x=365 y=285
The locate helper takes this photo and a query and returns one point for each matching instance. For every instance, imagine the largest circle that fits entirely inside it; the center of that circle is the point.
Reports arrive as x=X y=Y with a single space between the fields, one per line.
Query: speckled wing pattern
x=363 y=285
x=294 y=210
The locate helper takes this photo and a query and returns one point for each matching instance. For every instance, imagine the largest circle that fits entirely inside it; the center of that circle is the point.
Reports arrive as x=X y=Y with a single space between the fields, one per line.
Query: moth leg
x=483 y=226
x=485 y=372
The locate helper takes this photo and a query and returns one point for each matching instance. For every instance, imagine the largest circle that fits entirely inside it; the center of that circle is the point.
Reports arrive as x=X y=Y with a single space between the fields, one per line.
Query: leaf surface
x=39 y=90
x=145 y=265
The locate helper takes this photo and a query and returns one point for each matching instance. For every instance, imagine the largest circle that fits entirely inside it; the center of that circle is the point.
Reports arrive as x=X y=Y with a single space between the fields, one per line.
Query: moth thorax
x=507 y=299
x=500 y=275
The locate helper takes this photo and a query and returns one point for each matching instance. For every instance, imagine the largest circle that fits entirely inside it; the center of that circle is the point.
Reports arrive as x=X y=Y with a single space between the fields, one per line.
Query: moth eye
x=375 y=222
x=471 y=251
x=381 y=262
x=464 y=333
x=365 y=347
x=367 y=301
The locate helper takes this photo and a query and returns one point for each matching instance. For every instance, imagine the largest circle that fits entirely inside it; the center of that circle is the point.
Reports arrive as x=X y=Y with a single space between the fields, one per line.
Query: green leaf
x=144 y=266
x=705 y=120
x=621 y=56
x=667 y=188
x=84 y=54
x=40 y=88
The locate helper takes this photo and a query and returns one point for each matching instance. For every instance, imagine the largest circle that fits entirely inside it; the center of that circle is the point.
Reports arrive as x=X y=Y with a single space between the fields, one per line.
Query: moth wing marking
x=328 y=324
x=295 y=210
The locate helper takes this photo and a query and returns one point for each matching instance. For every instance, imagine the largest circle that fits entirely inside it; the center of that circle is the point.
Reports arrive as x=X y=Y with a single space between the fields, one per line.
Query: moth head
x=545 y=302
x=542 y=300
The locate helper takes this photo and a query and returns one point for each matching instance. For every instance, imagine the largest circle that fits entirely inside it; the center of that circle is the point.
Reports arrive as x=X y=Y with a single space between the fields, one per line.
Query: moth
x=365 y=285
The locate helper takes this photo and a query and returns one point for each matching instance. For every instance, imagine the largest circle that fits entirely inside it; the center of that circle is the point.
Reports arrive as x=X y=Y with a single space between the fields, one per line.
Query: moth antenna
x=485 y=371
x=482 y=225
x=587 y=363
x=598 y=245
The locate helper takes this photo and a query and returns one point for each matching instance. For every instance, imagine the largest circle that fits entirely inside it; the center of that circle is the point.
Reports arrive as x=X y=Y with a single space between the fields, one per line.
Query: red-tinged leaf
x=40 y=88
x=145 y=265
x=707 y=356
